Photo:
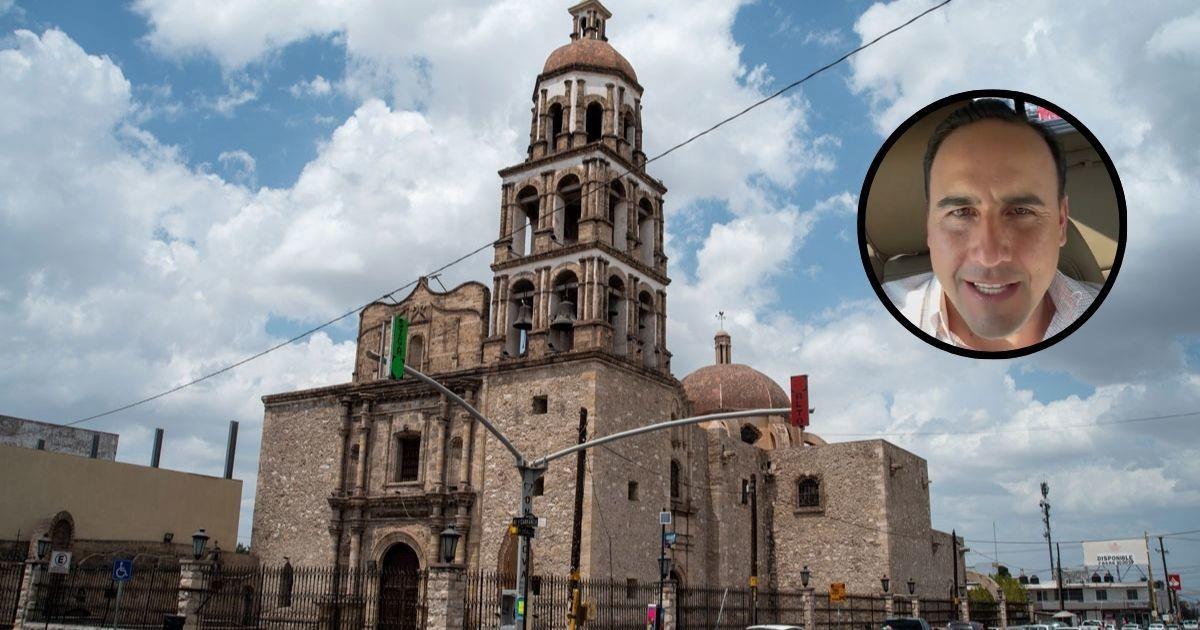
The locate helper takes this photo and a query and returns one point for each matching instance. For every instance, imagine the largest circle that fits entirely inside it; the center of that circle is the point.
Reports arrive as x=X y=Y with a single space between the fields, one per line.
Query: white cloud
x=317 y=86
x=828 y=38
x=239 y=94
x=239 y=165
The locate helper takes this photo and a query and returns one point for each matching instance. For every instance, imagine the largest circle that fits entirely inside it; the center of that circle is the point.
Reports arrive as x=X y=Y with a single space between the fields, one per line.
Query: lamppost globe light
x=805 y=574
x=43 y=546
x=912 y=586
x=449 y=543
x=199 y=540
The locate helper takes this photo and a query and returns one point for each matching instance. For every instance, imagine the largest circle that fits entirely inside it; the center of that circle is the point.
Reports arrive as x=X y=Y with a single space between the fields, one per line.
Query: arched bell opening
x=618 y=216
x=646 y=329
x=594 y=121
x=520 y=319
x=567 y=210
x=617 y=313
x=556 y=124
x=630 y=131
x=563 y=301
x=646 y=232
x=525 y=221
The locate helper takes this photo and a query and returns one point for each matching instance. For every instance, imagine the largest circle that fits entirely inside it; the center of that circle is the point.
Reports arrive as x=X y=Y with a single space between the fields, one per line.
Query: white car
x=1156 y=626
x=1131 y=626
x=1191 y=624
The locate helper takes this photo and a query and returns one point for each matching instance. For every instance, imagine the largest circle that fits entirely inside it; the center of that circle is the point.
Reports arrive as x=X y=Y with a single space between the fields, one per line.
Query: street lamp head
x=885 y=582
x=1045 y=489
x=43 y=546
x=449 y=543
x=912 y=586
x=805 y=574
x=664 y=567
x=199 y=540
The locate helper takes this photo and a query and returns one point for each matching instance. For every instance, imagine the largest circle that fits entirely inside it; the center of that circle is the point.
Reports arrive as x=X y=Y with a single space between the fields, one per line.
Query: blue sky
x=264 y=172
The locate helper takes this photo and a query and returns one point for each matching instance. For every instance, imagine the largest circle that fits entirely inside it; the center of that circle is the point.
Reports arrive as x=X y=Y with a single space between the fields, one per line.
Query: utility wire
x=1174 y=416
x=494 y=243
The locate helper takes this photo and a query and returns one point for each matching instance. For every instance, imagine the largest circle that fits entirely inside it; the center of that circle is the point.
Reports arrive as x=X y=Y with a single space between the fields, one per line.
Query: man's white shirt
x=919 y=298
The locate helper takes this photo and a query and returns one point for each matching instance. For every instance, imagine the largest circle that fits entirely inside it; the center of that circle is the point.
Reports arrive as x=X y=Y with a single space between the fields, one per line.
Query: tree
x=1012 y=589
x=241 y=548
x=980 y=594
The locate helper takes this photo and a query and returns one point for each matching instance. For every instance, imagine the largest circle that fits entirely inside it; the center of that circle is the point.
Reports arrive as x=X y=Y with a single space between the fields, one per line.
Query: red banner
x=1174 y=583
x=800 y=401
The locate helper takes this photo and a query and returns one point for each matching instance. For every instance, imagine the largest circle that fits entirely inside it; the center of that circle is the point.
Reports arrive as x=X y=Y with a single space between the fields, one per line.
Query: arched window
x=408 y=457
x=520 y=318
x=594 y=121
x=618 y=313
x=618 y=216
x=556 y=123
x=646 y=231
x=808 y=492
x=750 y=433
x=630 y=131
x=567 y=210
x=563 y=308
x=676 y=473
x=525 y=221
x=416 y=352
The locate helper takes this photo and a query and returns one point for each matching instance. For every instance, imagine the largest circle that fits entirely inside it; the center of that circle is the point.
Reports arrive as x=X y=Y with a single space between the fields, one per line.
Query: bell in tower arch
x=524 y=320
x=564 y=318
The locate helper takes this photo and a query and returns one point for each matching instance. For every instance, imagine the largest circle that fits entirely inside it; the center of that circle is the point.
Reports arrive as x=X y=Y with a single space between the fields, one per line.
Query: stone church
x=367 y=473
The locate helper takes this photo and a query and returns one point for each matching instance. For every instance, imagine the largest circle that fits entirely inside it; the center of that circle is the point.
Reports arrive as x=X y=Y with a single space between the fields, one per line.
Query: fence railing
x=1018 y=613
x=11 y=575
x=88 y=596
x=987 y=613
x=938 y=612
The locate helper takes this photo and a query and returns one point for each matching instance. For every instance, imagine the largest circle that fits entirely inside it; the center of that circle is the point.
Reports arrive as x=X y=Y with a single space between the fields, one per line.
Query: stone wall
x=58 y=438
x=911 y=539
x=297 y=471
x=731 y=462
x=843 y=540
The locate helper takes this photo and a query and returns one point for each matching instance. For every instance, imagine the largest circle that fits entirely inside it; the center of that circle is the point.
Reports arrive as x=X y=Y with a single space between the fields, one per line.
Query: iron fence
x=986 y=613
x=855 y=612
x=714 y=607
x=11 y=575
x=938 y=612
x=902 y=607
x=88 y=596
x=614 y=604
x=300 y=597
x=1018 y=613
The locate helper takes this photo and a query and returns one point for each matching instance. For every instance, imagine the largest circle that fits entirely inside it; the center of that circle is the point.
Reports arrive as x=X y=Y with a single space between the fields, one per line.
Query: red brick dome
x=732 y=387
x=586 y=51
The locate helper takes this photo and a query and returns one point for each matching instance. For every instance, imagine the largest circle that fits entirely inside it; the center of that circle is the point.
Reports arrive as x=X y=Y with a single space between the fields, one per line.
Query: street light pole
x=662 y=565
x=754 y=549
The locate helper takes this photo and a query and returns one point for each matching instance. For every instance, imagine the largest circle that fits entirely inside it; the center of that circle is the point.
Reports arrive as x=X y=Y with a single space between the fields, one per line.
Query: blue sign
x=122 y=570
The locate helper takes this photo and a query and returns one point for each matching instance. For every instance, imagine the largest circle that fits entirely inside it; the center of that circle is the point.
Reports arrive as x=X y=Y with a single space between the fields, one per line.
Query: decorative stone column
x=670 y=594
x=807 y=601
x=193 y=586
x=916 y=613
x=33 y=579
x=1003 y=611
x=444 y=597
x=889 y=605
x=964 y=609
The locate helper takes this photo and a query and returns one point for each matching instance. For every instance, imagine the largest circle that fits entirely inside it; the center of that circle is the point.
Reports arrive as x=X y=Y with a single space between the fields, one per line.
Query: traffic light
x=399 y=347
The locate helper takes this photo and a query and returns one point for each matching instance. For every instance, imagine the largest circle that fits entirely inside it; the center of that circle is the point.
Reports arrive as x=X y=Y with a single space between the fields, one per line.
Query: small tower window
x=525 y=221
x=676 y=482
x=556 y=122
x=568 y=210
x=416 y=351
x=750 y=433
x=808 y=492
x=633 y=491
x=594 y=122
x=646 y=231
x=408 y=457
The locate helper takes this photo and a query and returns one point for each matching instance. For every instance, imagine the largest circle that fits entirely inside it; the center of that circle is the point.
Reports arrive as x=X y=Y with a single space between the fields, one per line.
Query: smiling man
x=997 y=211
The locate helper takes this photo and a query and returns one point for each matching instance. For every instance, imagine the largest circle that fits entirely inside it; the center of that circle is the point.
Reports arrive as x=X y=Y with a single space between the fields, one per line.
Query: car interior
x=895 y=210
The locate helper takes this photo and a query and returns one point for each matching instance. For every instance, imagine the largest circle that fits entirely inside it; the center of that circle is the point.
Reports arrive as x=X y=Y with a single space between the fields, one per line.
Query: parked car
x=964 y=625
x=904 y=623
x=775 y=626
x=1191 y=624
x=1156 y=626
x=1131 y=626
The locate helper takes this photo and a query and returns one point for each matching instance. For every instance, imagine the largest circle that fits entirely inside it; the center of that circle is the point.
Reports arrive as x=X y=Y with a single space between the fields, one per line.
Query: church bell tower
x=579 y=264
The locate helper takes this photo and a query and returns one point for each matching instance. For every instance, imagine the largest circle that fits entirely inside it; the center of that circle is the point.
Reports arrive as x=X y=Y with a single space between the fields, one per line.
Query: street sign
x=669 y=539
x=526 y=532
x=525 y=521
x=60 y=561
x=837 y=592
x=800 y=410
x=1174 y=583
x=664 y=518
x=122 y=570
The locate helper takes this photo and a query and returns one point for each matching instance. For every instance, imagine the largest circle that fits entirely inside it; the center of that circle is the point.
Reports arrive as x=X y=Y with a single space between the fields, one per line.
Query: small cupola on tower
x=589 y=18
x=724 y=347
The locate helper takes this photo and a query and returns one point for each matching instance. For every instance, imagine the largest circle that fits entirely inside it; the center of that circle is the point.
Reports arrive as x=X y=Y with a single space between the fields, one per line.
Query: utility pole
x=662 y=563
x=573 y=620
x=1172 y=605
x=954 y=558
x=1150 y=580
x=1045 y=505
x=1062 y=604
x=753 y=549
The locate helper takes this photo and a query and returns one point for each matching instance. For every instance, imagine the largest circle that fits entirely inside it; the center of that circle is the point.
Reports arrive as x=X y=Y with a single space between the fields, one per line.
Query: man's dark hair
x=993 y=109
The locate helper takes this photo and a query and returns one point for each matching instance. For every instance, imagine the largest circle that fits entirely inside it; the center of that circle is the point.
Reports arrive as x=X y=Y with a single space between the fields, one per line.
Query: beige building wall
x=111 y=500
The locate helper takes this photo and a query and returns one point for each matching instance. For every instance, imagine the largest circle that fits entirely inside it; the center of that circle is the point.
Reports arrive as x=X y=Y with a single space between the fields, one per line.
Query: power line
x=489 y=244
x=1174 y=416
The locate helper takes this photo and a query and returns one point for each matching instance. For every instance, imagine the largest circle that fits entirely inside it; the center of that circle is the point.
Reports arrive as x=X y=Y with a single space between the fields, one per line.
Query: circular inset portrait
x=992 y=224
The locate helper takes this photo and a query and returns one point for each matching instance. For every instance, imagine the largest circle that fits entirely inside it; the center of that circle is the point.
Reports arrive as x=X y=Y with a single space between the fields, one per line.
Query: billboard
x=1114 y=552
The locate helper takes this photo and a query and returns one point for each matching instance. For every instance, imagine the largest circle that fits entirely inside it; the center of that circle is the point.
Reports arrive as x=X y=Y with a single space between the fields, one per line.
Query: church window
x=525 y=220
x=540 y=404
x=556 y=122
x=416 y=351
x=408 y=457
x=630 y=129
x=633 y=491
x=594 y=122
x=808 y=492
x=750 y=433
x=676 y=473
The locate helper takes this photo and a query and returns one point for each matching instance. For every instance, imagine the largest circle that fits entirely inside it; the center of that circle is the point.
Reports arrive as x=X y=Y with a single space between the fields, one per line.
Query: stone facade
x=575 y=319
x=57 y=438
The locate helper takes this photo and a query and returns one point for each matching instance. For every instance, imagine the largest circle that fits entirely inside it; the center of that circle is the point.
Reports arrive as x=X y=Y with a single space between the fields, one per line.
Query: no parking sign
x=60 y=561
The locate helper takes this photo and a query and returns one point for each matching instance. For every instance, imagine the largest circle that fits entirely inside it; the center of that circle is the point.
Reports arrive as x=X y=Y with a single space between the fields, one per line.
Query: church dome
x=592 y=53
x=732 y=387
